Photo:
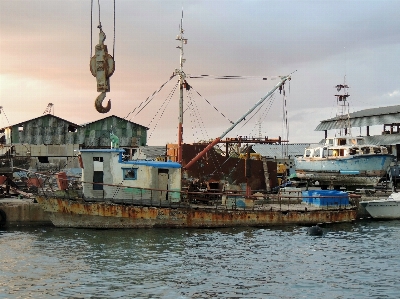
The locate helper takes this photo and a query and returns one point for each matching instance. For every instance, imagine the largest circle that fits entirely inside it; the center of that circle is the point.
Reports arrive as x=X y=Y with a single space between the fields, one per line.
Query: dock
x=22 y=212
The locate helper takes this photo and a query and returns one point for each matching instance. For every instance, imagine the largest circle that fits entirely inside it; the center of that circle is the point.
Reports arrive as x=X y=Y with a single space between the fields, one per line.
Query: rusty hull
x=70 y=213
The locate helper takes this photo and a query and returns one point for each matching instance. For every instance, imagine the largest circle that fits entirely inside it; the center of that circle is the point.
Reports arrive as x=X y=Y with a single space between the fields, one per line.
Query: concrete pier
x=23 y=212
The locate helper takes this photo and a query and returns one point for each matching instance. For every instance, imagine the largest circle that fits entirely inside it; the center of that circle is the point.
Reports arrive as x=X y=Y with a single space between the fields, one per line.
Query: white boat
x=344 y=160
x=386 y=208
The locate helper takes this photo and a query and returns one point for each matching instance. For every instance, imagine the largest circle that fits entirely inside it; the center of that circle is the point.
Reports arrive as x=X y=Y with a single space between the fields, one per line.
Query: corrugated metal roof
x=67 y=121
x=277 y=150
x=389 y=139
x=362 y=118
x=42 y=116
x=117 y=117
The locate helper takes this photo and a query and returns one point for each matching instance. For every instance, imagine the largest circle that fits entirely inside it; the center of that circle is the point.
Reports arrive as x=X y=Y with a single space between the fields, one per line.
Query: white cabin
x=343 y=147
x=106 y=176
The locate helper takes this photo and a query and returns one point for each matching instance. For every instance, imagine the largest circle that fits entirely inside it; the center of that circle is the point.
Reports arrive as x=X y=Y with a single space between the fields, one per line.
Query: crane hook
x=98 y=104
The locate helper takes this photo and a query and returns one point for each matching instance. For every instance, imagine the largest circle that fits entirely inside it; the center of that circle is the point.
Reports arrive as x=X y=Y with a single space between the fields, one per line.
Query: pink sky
x=45 y=52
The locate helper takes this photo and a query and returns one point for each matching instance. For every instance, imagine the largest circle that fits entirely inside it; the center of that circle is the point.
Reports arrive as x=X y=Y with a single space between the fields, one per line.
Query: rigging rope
x=163 y=107
x=270 y=102
x=212 y=105
x=197 y=116
x=228 y=77
x=148 y=100
x=270 y=97
x=2 y=110
x=285 y=129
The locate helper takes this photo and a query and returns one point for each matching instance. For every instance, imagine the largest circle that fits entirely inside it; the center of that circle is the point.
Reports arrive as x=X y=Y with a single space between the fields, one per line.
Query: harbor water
x=357 y=260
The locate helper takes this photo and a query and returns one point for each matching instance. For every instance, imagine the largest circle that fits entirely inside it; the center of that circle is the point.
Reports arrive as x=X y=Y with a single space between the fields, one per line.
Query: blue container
x=325 y=198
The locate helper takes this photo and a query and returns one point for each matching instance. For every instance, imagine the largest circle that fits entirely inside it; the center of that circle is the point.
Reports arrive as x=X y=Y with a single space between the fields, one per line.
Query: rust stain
x=115 y=215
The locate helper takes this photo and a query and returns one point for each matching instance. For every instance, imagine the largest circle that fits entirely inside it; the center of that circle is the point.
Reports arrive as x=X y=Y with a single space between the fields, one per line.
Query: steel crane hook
x=98 y=104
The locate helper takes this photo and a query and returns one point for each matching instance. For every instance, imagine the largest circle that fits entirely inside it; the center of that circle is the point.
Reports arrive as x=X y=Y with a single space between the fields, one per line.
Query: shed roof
x=389 y=139
x=43 y=116
x=114 y=116
x=366 y=117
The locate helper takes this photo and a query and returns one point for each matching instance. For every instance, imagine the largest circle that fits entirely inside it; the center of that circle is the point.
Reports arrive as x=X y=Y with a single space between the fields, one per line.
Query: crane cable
x=91 y=27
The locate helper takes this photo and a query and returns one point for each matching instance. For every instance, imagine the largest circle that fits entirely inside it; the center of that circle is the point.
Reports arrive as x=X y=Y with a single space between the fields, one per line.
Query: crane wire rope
x=99 y=26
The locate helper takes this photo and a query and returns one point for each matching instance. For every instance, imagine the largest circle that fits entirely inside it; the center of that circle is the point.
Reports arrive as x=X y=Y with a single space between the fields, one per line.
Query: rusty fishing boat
x=121 y=192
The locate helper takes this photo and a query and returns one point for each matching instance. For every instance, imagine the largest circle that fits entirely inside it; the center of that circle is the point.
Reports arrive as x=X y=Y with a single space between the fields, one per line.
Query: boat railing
x=206 y=199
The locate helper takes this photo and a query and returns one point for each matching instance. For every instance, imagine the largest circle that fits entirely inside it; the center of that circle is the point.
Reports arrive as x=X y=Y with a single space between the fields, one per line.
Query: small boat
x=386 y=208
x=344 y=160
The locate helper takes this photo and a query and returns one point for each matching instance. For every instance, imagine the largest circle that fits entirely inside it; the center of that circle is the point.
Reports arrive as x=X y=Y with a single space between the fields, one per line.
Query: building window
x=129 y=173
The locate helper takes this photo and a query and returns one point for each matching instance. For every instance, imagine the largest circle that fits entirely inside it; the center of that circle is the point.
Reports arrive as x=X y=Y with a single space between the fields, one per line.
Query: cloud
x=393 y=94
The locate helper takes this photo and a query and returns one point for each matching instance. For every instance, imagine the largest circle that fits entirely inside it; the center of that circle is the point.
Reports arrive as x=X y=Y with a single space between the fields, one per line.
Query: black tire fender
x=3 y=218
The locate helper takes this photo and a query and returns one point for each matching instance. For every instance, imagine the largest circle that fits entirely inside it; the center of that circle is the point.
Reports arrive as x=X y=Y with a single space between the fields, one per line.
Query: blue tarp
x=326 y=197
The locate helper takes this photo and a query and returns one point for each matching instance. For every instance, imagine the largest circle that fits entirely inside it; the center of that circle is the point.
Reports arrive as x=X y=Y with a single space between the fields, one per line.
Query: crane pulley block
x=102 y=66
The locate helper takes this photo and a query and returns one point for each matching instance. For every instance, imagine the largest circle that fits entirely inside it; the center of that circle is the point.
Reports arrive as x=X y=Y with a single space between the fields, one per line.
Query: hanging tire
x=3 y=218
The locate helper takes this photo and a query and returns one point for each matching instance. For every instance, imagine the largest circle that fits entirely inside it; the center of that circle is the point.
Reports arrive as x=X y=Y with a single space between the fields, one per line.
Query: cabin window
x=98 y=164
x=325 y=152
x=307 y=153
x=353 y=141
x=366 y=150
x=129 y=173
x=377 y=150
x=317 y=152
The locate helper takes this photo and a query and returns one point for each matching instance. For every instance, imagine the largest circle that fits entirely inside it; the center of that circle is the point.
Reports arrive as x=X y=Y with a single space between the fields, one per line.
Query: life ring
x=3 y=218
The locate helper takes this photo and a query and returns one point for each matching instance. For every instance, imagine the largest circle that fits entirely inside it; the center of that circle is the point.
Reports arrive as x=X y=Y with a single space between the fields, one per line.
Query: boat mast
x=342 y=104
x=202 y=153
x=182 y=84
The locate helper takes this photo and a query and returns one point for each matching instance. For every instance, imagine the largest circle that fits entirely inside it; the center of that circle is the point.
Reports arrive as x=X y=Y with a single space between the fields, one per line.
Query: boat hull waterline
x=70 y=213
